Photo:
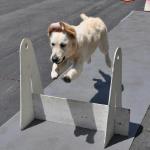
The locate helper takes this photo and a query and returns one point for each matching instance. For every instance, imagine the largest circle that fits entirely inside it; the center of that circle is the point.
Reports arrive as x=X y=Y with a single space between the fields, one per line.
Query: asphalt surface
x=30 y=18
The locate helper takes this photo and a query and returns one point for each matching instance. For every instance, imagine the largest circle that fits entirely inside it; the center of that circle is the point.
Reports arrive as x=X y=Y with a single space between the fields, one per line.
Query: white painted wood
x=110 y=125
x=114 y=95
x=29 y=82
x=147 y=5
x=122 y=119
x=61 y=110
x=35 y=75
x=115 y=98
x=26 y=106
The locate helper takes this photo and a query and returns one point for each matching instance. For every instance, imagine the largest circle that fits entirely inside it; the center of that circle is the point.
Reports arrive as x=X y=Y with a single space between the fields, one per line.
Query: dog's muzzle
x=62 y=60
x=56 y=60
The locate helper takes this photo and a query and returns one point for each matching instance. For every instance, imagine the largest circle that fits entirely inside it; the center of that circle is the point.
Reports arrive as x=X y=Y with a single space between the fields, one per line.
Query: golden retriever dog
x=76 y=44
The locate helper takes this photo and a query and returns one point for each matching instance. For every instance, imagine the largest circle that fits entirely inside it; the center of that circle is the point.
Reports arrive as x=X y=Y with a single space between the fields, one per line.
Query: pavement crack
x=9 y=78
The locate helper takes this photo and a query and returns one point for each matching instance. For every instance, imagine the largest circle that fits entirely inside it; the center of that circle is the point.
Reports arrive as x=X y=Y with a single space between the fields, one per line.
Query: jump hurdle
x=34 y=104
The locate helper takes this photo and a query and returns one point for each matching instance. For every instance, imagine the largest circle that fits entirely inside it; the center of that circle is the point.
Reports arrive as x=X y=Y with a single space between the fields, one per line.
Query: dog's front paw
x=66 y=79
x=54 y=75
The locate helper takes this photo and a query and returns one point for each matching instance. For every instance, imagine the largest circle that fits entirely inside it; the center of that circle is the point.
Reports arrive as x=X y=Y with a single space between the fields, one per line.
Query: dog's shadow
x=102 y=87
x=86 y=132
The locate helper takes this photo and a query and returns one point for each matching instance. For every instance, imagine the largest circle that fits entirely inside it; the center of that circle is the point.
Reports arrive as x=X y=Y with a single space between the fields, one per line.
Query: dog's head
x=62 y=41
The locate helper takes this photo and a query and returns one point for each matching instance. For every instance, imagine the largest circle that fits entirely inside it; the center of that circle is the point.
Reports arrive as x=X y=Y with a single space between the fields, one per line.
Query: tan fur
x=80 y=43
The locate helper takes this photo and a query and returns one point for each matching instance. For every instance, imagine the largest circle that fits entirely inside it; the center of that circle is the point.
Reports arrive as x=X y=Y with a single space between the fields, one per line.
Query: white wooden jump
x=111 y=118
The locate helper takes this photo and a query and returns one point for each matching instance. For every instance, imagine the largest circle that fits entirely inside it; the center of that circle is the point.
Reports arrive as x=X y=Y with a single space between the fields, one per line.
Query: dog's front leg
x=54 y=72
x=74 y=72
x=58 y=69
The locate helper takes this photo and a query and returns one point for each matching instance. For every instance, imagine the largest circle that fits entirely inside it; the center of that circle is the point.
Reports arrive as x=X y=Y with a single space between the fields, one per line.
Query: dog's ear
x=49 y=31
x=69 y=29
x=60 y=27
x=54 y=27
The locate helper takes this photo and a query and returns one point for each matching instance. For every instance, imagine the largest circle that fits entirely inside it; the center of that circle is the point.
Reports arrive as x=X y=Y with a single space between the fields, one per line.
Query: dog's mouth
x=61 y=60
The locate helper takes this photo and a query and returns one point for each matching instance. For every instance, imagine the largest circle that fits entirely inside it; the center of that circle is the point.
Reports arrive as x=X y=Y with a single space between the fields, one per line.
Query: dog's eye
x=62 y=45
x=53 y=44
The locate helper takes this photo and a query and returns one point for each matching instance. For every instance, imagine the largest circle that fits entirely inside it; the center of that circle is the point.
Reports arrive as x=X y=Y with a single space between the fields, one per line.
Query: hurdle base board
x=83 y=114
x=71 y=112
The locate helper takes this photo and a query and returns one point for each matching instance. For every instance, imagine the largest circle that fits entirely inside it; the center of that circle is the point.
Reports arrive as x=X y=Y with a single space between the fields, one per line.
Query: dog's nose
x=55 y=59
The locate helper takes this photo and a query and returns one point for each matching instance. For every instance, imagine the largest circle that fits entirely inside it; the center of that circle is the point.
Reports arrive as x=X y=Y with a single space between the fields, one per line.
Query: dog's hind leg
x=104 y=48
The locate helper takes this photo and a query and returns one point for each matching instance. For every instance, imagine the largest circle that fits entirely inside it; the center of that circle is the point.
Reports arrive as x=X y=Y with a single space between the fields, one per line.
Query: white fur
x=89 y=34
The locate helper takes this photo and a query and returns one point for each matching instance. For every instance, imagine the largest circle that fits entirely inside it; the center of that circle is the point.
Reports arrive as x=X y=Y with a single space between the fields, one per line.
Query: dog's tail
x=84 y=16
